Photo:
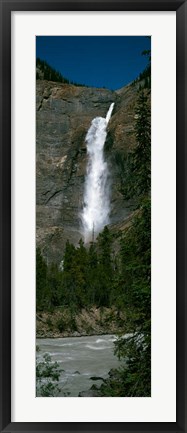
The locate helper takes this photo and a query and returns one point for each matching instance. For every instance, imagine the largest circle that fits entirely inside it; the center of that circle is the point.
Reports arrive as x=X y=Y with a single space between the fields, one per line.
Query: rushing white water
x=95 y=214
x=80 y=358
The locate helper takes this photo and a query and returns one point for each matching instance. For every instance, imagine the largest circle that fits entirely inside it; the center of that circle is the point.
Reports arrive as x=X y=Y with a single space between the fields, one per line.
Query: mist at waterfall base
x=96 y=210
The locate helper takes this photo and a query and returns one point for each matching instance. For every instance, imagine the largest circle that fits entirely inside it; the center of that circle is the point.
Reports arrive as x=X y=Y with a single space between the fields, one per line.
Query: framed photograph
x=93 y=216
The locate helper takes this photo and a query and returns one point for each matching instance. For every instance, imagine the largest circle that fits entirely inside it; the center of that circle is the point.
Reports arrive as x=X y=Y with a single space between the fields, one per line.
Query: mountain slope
x=64 y=113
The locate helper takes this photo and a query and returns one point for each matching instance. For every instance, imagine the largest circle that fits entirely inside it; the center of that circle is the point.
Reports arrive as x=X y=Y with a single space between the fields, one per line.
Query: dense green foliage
x=47 y=377
x=137 y=180
x=103 y=276
x=46 y=72
x=144 y=78
x=133 y=294
x=86 y=278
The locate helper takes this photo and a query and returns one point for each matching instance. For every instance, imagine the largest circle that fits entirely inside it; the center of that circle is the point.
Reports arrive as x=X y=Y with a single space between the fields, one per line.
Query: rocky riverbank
x=62 y=322
x=101 y=390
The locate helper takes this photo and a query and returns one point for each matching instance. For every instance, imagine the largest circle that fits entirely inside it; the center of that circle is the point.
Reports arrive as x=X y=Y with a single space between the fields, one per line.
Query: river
x=80 y=358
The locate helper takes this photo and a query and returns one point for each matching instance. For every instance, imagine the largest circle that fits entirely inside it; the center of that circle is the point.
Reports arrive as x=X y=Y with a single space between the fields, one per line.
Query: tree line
x=84 y=278
x=144 y=78
x=45 y=72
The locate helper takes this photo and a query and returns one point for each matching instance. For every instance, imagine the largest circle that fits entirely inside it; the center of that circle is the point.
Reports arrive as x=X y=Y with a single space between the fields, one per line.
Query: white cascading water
x=95 y=214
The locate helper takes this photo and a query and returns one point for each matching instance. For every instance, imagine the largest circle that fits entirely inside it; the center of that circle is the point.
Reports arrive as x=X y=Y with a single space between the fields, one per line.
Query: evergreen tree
x=54 y=277
x=105 y=249
x=68 y=277
x=41 y=281
x=138 y=181
x=104 y=268
x=80 y=267
x=92 y=274
x=133 y=298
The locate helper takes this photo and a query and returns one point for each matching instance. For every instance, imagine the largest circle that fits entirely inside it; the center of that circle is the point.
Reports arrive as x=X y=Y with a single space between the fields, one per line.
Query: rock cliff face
x=64 y=113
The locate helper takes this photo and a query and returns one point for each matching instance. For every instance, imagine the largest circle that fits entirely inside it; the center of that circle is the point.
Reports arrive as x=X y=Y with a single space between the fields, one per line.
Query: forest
x=45 y=72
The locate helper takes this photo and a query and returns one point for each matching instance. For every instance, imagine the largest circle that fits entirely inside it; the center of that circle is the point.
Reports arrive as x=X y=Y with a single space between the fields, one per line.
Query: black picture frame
x=6 y=7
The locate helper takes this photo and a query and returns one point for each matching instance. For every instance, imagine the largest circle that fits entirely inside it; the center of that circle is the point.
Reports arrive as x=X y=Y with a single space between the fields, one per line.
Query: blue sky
x=99 y=61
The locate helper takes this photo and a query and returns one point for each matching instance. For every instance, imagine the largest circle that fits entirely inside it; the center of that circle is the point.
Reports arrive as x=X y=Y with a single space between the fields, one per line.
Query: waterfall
x=95 y=214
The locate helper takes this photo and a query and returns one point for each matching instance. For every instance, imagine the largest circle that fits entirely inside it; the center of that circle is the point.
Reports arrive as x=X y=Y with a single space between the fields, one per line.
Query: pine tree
x=80 y=267
x=138 y=181
x=133 y=298
x=41 y=281
x=54 y=277
x=104 y=268
x=68 y=279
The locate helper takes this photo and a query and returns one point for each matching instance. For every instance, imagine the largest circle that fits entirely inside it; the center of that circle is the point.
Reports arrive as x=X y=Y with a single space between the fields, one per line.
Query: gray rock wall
x=63 y=116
